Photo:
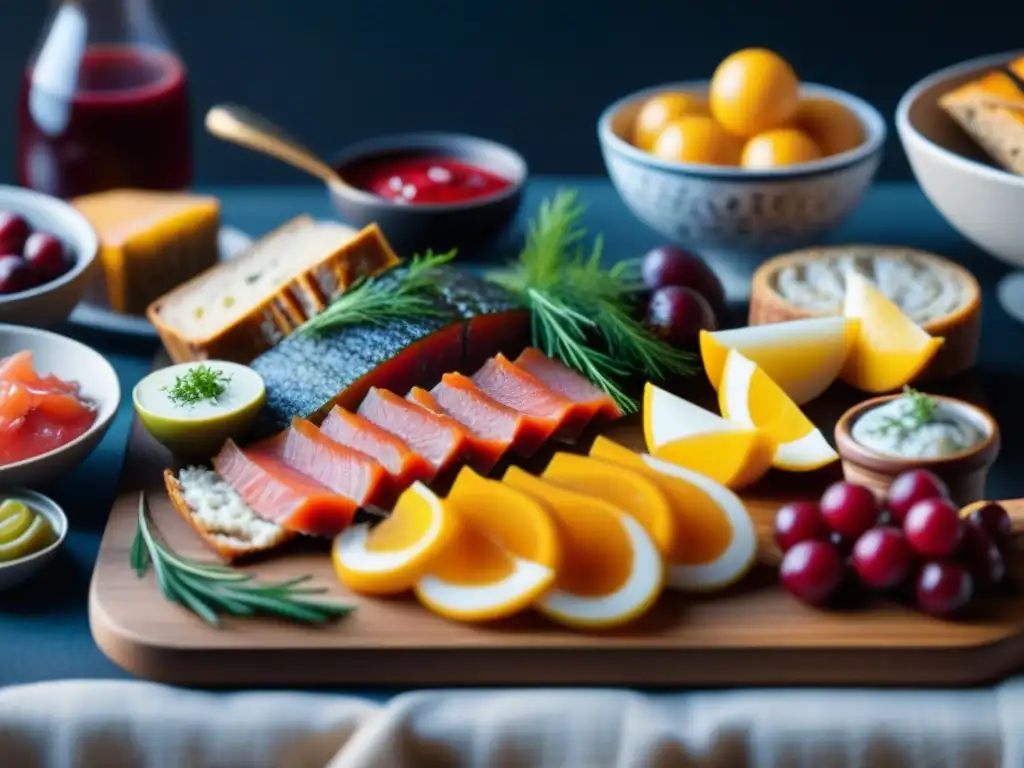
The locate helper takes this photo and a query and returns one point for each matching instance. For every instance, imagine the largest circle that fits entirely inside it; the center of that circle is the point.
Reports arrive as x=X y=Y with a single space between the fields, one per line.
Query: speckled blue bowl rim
x=870 y=118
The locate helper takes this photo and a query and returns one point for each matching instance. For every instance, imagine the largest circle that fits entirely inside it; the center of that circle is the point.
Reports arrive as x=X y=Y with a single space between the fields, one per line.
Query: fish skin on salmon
x=471 y=320
x=401 y=462
x=483 y=452
x=569 y=383
x=279 y=493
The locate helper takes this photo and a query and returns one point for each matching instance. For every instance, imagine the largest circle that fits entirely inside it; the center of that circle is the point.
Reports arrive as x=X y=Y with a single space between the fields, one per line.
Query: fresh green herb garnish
x=921 y=412
x=211 y=589
x=374 y=300
x=582 y=314
x=197 y=384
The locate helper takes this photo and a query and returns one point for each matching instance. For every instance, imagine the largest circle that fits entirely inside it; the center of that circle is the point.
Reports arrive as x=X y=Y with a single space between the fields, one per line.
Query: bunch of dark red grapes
x=27 y=258
x=916 y=546
x=685 y=296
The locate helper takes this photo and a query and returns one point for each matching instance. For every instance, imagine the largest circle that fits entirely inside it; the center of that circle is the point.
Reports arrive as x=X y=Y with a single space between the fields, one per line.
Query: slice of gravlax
x=483 y=452
x=500 y=426
x=547 y=413
x=470 y=320
x=436 y=438
x=281 y=494
x=401 y=462
x=569 y=383
x=340 y=468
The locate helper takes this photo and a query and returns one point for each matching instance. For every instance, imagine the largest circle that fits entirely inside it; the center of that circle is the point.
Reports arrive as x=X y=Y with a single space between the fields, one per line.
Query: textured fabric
x=129 y=724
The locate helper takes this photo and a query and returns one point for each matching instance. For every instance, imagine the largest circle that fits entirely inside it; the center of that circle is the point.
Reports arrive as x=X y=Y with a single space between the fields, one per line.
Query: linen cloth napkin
x=86 y=724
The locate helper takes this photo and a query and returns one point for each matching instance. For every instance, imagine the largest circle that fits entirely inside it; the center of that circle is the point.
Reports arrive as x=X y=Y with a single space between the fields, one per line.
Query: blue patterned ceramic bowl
x=716 y=208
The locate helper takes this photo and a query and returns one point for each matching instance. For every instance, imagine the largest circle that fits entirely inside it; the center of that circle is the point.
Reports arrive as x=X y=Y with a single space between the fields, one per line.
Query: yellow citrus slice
x=803 y=357
x=611 y=570
x=749 y=397
x=504 y=558
x=716 y=542
x=678 y=431
x=890 y=349
x=629 y=491
x=391 y=556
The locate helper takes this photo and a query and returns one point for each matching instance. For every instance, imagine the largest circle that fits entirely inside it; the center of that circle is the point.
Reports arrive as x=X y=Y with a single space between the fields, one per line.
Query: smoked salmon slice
x=404 y=465
x=340 y=468
x=485 y=442
x=437 y=439
x=568 y=383
x=545 y=411
x=280 y=493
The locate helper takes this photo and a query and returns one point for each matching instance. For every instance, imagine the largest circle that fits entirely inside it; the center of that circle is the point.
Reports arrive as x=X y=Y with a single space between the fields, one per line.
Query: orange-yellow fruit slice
x=749 y=397
x=716 y=543
x=890 y=349
x=628 y=490
x=803 y=357
x=611 y=570
x=390 y=557
x=504 y=558
x=678 y=431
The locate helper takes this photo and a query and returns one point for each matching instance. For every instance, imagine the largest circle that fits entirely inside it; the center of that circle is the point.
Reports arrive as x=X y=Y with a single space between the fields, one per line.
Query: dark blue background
x=533 y=73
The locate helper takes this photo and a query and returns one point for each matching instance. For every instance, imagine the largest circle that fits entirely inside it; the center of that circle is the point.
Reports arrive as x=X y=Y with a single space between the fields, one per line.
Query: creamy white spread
x=891 y=429
x=241 y=384
x=221 y=511
x=923 y=289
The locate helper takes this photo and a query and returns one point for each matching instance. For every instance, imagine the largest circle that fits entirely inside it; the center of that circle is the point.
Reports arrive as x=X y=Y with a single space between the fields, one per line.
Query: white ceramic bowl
x=981 y=201
x=69 y=360
x=17 y=571
x=706 y=207
x=50 y=304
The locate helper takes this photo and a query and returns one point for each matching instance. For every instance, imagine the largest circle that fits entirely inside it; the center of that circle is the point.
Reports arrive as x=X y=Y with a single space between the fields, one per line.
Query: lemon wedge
x=749 y=397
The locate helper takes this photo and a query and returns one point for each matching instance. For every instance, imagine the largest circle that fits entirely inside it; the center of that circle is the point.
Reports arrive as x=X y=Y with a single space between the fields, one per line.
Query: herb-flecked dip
x=199 y=391
x=917 y=426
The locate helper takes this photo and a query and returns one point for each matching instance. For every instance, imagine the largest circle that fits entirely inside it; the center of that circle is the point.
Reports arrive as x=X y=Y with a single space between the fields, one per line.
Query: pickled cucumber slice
x=37 y=536
x=15 y=525
x=10 y=507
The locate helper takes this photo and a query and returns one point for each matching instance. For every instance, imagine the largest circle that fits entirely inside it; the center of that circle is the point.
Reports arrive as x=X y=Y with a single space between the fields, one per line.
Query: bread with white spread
x=219 y=515
x=240 y=308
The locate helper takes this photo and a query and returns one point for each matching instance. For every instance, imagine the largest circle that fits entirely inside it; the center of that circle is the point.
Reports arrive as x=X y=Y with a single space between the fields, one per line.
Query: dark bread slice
x=991 y=111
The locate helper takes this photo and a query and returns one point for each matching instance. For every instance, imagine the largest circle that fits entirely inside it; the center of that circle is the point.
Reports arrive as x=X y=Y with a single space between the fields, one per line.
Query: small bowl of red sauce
x=432 y=191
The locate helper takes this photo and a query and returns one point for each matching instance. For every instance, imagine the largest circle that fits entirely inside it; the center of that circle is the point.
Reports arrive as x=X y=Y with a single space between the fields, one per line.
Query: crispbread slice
x=991 y=111
x=229 y=547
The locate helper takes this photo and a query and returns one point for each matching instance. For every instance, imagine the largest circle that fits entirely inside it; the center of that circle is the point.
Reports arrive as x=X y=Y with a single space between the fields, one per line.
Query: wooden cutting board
x=754 y=634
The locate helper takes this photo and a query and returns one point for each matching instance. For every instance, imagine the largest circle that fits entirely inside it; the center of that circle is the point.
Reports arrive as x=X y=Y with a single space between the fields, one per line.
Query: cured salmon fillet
x=545 y=411
x=485 y=446
x=437 y=439
x=568 y=383
x=279 y=493
x=404 y=465
x=500 y=425
x=340 y=468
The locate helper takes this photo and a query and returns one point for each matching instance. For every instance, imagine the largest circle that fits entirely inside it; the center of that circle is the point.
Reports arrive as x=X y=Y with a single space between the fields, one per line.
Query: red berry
x=16 y=275
x=913 y=486
x=798 y=521
x=46 y=253
x=993 y=519
x=943 y=588
x=849 y=509
x=678 y=315
x=668 y=265
x=14 y=231
x=983 y=559
x=882 y=558
x=812 y=571
x=934 y=528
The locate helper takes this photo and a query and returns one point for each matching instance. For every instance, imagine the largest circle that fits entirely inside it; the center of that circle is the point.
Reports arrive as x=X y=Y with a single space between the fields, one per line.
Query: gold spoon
x=242 y=126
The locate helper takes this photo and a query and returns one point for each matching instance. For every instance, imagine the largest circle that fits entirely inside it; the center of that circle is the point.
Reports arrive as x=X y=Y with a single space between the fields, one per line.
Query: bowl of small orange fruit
x=752 y=161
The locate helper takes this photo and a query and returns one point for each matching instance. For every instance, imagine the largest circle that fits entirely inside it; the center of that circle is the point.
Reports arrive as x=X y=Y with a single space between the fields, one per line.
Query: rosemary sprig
x=373 y=300
x=197 y=384
x=582 y=312
x=921 y=412
x=211 y=589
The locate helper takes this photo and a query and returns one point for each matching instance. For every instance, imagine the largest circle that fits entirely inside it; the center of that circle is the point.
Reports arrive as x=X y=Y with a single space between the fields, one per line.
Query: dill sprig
x=582 y=313
x=211 y=589
x=405 y=291
x=921 y=412
x=197 y=384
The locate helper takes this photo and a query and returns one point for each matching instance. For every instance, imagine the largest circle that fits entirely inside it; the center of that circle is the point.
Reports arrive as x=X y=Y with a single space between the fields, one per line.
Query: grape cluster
x=916 y=545
x=685 y=297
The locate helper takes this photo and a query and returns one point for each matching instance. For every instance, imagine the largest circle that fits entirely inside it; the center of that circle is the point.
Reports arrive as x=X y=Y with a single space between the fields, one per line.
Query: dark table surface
x=44 y=626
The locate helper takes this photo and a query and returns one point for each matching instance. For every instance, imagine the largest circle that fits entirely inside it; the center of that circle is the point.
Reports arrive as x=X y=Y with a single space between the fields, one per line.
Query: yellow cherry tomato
x=830 y=125
x=783 y=146
x=697 y=140
x=658 y=111
x=752 y=91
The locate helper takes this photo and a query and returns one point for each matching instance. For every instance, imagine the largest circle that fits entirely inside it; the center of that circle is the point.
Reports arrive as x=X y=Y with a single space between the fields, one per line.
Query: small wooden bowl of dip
x=964 y=471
